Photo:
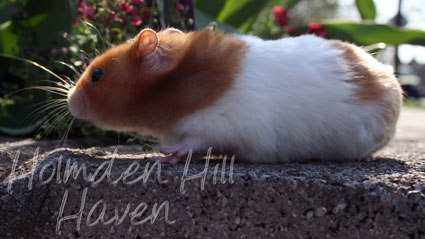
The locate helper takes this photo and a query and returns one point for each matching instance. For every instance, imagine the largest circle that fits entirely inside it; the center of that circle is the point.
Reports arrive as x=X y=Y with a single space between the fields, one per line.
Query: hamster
x=265 y=101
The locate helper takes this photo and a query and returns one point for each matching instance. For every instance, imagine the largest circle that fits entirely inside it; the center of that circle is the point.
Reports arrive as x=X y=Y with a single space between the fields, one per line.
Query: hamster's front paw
x=175 y=153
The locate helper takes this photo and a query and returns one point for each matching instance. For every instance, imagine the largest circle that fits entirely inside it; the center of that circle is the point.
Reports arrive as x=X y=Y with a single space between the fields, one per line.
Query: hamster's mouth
x=77 y=103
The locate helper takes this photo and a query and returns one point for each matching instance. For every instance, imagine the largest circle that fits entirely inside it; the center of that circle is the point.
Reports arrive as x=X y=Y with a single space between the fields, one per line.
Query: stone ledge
x=380 y=199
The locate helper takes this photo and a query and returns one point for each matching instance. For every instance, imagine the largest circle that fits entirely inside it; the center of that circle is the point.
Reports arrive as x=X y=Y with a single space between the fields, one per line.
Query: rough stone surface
x=383 y=198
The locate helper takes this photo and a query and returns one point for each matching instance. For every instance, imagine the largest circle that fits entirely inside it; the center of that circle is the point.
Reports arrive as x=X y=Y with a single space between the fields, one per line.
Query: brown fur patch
x=201 y=66
x=368 y=79
x=374 y=85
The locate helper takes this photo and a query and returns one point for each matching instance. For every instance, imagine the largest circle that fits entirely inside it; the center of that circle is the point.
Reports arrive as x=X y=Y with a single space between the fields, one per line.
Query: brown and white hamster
x=284 y=100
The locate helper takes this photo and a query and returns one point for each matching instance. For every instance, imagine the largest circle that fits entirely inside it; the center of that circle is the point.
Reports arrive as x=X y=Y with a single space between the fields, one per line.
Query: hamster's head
x=109 y=92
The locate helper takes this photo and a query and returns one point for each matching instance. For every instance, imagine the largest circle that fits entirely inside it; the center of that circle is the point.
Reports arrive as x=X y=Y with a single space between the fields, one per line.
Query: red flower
x=86 y=11
x=281 y=16
x=135 y=20
x=180 y=7
x=131 y=10
x=124 y=6
x=317 y=29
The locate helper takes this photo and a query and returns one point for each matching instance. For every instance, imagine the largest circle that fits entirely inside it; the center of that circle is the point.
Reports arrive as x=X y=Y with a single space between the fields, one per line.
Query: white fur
x=289 y=103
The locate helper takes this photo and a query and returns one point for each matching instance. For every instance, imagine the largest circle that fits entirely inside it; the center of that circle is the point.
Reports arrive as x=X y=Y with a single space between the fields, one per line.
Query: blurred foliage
x=367 y=9
x=73 y=32
x=368 y=33
x=39 y=21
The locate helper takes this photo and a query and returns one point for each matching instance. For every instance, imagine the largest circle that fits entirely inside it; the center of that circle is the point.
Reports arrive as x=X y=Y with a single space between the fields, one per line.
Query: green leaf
x=47 y=20
x=210 y=8
x=202 y=20
x=240 y=14
x=367 y=9
x=8 y=40
x=367 y=34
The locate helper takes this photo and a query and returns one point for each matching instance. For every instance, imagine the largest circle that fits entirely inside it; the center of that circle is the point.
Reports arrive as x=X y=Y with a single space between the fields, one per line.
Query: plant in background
x=255 y=17
x=282 y=19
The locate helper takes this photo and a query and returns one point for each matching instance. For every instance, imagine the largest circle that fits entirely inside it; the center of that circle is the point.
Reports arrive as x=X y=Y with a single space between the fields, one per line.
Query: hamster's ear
x=147 y=42
x=148 y=52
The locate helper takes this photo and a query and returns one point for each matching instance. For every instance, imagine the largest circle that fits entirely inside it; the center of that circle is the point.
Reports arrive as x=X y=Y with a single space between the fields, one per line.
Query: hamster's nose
x=77 y=103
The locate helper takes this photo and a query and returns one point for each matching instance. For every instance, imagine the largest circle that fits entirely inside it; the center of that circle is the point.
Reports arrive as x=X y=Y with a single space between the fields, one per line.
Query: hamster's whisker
x=53 y=113
x=58 y=108
x=98 y=34
x=34 y=116
x=78 y=73
x=46 y=101
x=51 y=89
x=58 y=84
x=54 y=107
x=60 y=111
x=71 y=83
x=57 y=117
x=65 y=136
x=34 y=64
x=62 y=93
x=48 y=106
x=87 y=55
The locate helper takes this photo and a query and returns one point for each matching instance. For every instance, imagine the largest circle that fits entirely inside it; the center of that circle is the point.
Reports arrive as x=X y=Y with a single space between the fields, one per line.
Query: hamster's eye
x=96 y=75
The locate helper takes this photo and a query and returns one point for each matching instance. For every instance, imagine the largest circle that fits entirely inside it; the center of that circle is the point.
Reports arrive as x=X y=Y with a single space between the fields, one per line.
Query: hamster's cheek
x=77 y=103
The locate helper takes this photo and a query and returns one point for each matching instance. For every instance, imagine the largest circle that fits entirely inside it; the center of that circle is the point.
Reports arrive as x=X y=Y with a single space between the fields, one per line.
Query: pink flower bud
x=53 y=51
x=180 y=7
x=64 y=51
